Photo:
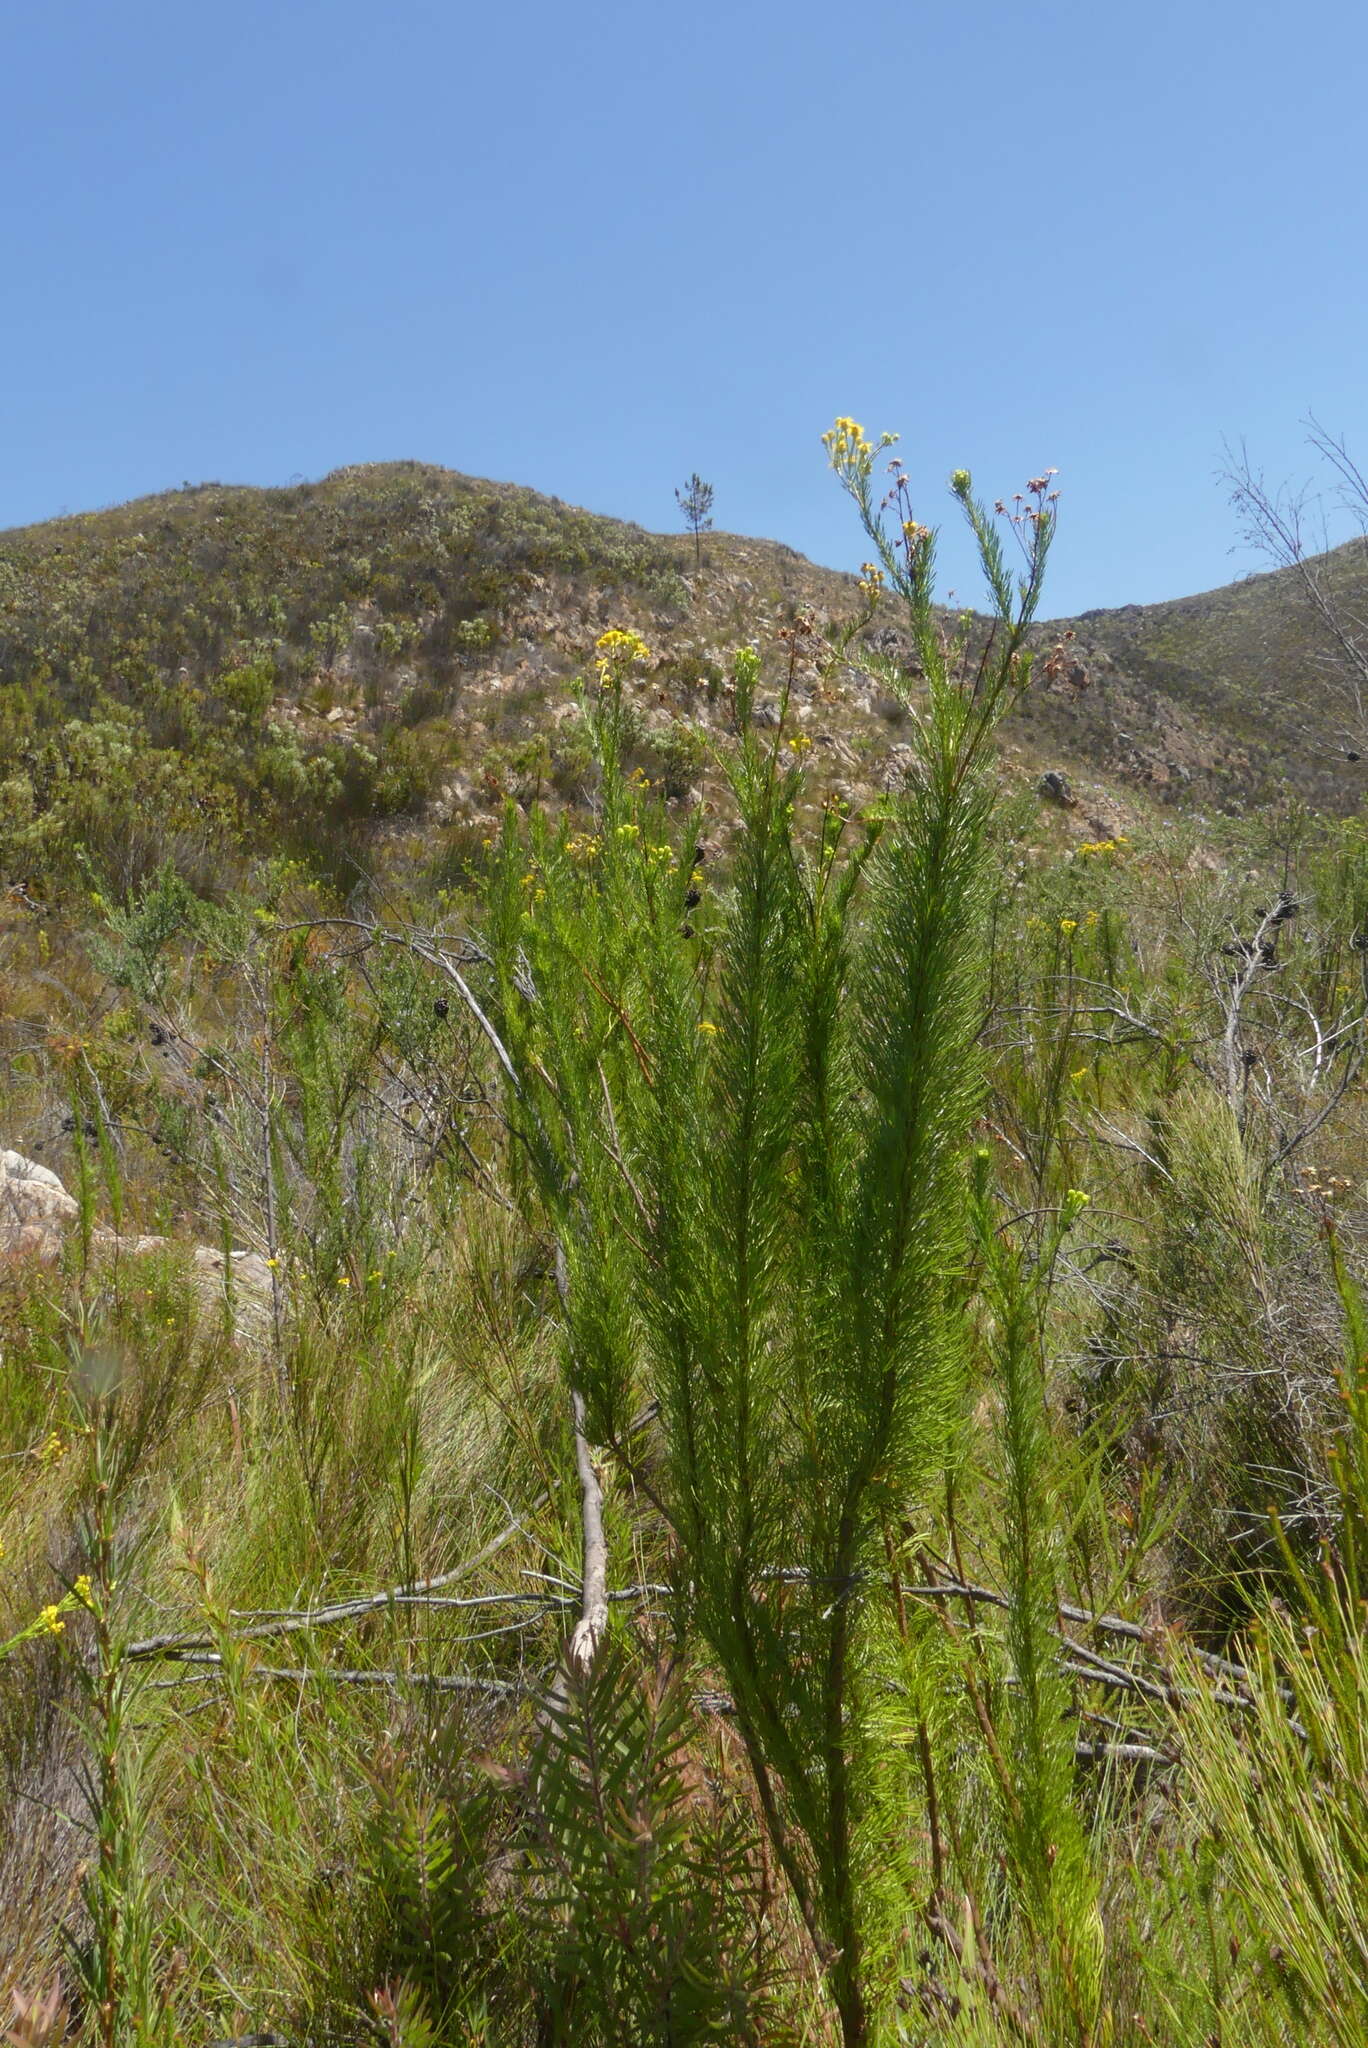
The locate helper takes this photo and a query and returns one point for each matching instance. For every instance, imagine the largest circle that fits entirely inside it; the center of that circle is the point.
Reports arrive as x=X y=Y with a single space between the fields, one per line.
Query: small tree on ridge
x=695 y=502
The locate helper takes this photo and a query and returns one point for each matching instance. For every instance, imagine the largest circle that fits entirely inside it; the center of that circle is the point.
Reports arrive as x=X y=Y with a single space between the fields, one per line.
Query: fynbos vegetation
x=739 y=1418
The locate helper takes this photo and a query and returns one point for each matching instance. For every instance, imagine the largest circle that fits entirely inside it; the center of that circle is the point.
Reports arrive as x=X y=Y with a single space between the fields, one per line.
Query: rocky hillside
x=361 y=670
x=1224 y=698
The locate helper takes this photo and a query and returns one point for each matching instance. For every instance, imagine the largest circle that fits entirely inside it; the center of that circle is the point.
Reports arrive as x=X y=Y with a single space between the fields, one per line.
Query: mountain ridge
x=391 y=650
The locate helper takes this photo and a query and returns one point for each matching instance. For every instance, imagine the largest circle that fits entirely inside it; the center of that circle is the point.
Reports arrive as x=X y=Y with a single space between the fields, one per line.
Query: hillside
x=1226 y=696
x=363 y=668
x=637 y=1406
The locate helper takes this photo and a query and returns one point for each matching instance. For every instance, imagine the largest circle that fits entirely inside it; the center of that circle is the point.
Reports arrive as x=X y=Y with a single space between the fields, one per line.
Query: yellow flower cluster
x=583 y=847
x=1102 y=849
x=849 y=449
x=52 y=1449
x=48 y=1620
x=617 y=645
x=800 y=742
x=617 y=650
x=871 y=581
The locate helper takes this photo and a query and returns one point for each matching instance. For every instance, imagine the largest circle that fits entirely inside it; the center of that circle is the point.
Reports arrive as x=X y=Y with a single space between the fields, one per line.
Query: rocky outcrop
x=1054 y=785
x=35 y=1210
x=36 y=1213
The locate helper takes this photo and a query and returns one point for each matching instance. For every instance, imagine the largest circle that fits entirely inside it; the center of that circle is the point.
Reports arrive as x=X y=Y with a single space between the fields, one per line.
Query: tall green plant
x=1049 y=1856
x=117 y=1965
x=746 y=1107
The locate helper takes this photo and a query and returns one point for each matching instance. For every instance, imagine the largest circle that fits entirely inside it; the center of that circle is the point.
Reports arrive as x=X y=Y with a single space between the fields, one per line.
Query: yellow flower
x=1068 y=925
x=81 y=1590
x=710 y=1028
x=617 y=647
x=800 y=742
x=850 y=451
x=343 y=1280
x=52 y=1449
x=51 y=1621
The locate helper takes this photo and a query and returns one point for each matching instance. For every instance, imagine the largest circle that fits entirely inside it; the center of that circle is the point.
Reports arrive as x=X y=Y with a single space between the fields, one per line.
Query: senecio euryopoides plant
x=746 y=1100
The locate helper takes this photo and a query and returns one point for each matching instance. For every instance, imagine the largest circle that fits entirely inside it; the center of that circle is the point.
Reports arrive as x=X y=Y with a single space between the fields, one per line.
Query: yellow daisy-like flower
x=709 y=1028
x=850 y=451
x=619 y=645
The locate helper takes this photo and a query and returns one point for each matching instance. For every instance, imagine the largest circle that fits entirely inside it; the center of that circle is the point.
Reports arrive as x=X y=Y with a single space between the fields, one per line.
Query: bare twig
x=210 y=1667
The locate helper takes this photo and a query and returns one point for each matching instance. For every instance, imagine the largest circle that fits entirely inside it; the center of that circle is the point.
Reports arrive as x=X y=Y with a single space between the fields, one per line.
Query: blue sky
x=594 y=248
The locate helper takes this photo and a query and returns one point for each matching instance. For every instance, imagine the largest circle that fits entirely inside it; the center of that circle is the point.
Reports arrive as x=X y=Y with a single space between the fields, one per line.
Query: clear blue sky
x=594 y=247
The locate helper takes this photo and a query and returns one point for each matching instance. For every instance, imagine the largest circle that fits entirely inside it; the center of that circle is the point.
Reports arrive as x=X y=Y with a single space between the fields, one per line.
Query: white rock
x=33 y=1205
x=36 y=1211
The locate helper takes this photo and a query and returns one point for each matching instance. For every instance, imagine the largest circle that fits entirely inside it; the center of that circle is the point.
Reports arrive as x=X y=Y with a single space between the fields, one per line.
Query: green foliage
x=959 y=1687
x=792 y=1309
x=1285 y=1778
x=152 y=656
x=648 y=1895
x=1050 y=1856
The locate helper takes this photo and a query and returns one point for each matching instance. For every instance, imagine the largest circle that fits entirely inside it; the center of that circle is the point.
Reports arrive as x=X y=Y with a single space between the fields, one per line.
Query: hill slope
x=1230 y=694
x=223 y=672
